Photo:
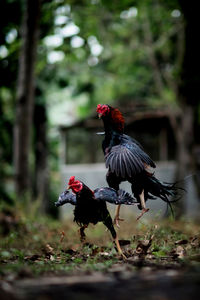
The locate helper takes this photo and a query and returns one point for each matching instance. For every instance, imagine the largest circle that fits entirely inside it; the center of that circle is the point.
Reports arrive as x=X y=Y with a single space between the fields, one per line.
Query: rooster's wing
x=66 y=197
x=127 y=159
x=112 y=196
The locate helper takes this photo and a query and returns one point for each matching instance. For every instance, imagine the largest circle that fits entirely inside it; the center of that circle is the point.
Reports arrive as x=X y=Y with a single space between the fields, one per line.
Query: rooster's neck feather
x=114 y=121
x=85 y=194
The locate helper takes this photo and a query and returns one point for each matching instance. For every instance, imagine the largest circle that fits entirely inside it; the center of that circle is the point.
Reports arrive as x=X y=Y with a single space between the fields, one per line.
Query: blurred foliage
x=109 y=54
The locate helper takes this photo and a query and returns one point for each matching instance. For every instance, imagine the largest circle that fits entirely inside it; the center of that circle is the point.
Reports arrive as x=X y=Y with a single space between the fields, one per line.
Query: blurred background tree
x=91 y=52
x=25 y=96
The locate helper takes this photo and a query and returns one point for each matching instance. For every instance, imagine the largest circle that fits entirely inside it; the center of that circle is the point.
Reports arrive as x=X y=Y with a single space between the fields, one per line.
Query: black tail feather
x=168 y=192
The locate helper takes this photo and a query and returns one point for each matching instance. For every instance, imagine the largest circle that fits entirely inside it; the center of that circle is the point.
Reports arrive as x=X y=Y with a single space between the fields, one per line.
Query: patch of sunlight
x=55 y=56
x=53 y=41
x=176 y=13
x=60 y=20
x=77 y=42
x=130 y=13
x=62 y=10
x=3 y=52
x=95 y=47
x=67 y=31
x=11 y=36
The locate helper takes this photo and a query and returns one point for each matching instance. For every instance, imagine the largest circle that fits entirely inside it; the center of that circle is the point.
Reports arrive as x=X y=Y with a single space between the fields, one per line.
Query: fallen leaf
x=195 y=242
x=95 y=251
x=178 y=252
x=62 y=236
x=143 y=246
x=49 y=249
x=52 y=258
x=33 y=257
x=75 y=247
x=105 y=253
x=181 y=242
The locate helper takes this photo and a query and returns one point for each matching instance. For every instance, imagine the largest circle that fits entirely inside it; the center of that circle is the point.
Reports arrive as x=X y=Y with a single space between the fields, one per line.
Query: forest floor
x=44 y=259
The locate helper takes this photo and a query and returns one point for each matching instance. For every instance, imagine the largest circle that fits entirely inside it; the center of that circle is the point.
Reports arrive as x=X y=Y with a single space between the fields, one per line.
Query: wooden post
x=163 y=145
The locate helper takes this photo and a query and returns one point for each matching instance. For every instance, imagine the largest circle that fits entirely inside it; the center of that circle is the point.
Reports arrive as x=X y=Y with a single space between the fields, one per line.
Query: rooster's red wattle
x=90 y=206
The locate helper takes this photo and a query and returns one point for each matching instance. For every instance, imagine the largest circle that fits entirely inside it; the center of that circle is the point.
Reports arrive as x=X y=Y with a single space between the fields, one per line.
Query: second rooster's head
x=103 y=110
x=111 y=116
x=75 y=185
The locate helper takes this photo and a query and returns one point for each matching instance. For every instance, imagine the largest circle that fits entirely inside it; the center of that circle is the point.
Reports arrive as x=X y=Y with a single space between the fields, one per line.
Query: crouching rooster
x=90 y=206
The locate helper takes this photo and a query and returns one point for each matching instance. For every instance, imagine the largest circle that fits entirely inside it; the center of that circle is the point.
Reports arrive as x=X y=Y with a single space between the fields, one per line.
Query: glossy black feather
x=129 y=149
x=112 y=196
x=66 y=197
x=90 y=207
x=154 y=188
x=126 y=160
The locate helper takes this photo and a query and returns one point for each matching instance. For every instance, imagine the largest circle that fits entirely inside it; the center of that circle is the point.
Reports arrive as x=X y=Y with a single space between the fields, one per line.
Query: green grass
x=36 y=246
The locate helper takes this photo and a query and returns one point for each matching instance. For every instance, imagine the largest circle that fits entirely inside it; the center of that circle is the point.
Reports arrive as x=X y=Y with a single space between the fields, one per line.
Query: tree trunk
x=41 y=179
x=188 y=93
x=183 y=130
x=25 y=97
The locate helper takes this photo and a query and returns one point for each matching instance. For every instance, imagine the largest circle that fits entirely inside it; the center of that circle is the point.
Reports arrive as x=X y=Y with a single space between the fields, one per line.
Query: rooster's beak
x=99 y=115
x=68 y=187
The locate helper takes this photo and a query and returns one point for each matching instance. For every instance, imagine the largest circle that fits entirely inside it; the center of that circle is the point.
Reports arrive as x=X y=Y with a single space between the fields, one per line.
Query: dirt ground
x=43 y=260
x=120 y=282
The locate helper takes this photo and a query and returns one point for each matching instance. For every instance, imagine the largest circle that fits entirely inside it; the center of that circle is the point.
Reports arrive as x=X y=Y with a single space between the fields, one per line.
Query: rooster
x=126 y=160
x=90 y=206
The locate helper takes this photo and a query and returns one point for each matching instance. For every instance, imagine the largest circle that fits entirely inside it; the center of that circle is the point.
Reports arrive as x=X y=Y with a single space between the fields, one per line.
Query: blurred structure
x=151 y=127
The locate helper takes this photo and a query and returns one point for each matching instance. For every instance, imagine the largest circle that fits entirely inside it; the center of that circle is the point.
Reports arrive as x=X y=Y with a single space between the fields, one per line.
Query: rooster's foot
x=144 y=210
x=116 y=221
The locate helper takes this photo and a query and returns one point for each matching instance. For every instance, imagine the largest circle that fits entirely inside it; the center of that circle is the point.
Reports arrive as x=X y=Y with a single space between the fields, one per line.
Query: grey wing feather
x=127 y=160
x=112 y=196
x=66 y=197
x=137 y=148
x=125 y=198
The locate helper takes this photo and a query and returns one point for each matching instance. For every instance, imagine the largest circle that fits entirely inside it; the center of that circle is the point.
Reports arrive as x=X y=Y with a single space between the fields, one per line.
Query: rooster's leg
x=117 y=218
x=109 y=224
x=82 y=233
x=119 y=248
x=143 y=204
x=113 y=182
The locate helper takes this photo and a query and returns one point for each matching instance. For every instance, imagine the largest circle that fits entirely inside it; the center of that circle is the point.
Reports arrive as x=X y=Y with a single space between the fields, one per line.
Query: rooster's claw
x=116 y=221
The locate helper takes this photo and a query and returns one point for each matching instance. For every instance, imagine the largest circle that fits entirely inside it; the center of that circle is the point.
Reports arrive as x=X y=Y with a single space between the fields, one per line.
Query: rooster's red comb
x=71 y=180
x=102 y=108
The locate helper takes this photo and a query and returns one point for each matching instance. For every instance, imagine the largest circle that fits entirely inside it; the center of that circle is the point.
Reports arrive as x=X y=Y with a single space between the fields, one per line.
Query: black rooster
x=127 y=161
x=90 y=206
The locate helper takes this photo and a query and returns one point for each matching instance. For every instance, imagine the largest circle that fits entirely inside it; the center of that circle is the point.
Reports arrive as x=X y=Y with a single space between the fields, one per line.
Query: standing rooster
x=90 y=206
x=127 y=161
